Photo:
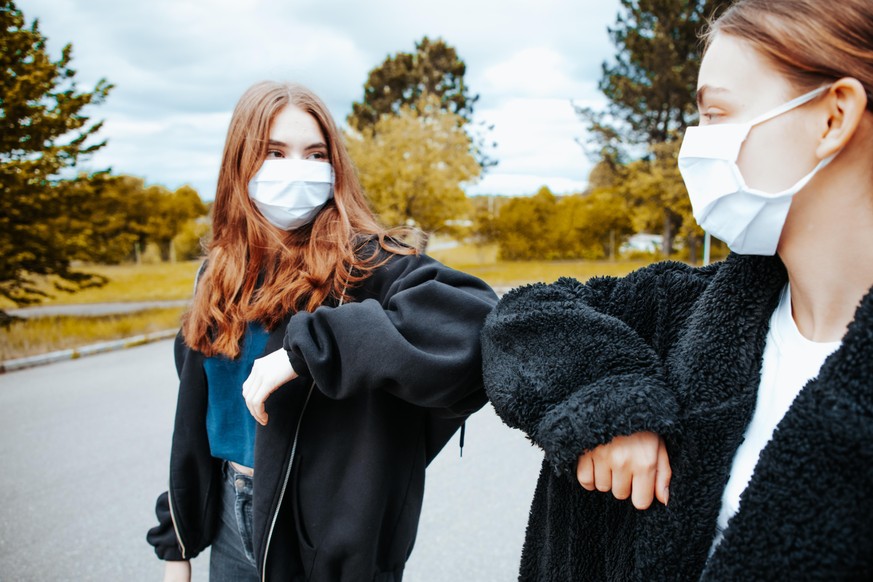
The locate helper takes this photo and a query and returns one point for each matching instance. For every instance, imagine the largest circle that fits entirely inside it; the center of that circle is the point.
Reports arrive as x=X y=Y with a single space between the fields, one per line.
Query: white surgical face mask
x=290 y=193
x=750 y=221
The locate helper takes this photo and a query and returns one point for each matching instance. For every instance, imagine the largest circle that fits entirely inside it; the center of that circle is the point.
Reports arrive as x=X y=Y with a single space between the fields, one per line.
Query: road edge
x=88 y=350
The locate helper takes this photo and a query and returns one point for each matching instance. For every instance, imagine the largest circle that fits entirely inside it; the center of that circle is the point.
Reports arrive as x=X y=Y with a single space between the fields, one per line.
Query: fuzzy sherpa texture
x=677 y=350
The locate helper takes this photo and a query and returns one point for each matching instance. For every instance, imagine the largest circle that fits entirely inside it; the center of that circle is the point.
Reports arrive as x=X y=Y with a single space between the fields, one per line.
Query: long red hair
x=257 y=272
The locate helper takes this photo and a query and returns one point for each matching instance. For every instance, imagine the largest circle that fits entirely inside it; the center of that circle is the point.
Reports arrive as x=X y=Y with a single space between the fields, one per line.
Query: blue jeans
x=231 y=558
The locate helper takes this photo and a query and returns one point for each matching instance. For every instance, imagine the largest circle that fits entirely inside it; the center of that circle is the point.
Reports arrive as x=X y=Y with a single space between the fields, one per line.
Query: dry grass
x=482 y=262
x=174 y=281
x=156 y=282
x=513 y=274
x=40 y=335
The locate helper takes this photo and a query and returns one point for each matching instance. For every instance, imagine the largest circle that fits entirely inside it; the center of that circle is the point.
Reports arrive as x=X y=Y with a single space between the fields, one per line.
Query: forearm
x=177 y=571
x=419 y=340
x=570 y=376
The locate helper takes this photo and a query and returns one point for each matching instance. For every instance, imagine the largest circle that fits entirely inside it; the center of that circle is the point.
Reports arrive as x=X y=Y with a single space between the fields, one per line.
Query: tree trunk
x=692 y=248
x=612 y=244
x=668 y=234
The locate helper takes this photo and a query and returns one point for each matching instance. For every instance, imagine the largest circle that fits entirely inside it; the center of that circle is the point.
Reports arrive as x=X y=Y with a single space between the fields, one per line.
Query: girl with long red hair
x=322 y=365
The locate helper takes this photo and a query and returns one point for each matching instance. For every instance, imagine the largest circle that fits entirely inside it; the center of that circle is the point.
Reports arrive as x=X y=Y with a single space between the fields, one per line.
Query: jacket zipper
x=175 y=526
x=285 y=482
x=290 y=465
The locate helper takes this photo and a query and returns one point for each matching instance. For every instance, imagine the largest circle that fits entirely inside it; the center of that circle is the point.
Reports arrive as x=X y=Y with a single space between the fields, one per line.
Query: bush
x=189 y=243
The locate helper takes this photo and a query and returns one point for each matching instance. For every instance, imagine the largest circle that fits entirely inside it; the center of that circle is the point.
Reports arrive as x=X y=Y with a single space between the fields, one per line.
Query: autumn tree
x=145 y=215
x=412 y=166
x=191 y=240
x=549 y=227
x=656 y=195
x=44 y=132
x=434 y=69
x=169 y=213
x=650 y=85
x=597 y=222
x=103 y=222
x=523 y=227
x=485 y=212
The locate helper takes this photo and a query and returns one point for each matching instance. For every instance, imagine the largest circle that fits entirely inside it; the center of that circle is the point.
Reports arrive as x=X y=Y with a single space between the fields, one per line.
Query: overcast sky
x=179 y=67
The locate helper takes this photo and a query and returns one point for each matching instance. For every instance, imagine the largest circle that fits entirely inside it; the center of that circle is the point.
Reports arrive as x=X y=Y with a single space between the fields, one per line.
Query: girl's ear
x=845 y=104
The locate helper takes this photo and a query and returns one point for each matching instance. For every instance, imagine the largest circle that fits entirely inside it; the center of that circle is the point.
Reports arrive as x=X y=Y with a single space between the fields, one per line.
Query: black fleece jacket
x=677 y=350
x=385 y=380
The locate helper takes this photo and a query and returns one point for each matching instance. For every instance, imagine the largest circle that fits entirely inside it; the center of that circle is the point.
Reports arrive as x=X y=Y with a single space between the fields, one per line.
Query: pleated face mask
x=290 y=193
x=750 y=221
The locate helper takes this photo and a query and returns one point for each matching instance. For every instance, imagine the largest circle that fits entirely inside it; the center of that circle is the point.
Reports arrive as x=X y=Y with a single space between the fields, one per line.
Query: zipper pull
x=461 y=443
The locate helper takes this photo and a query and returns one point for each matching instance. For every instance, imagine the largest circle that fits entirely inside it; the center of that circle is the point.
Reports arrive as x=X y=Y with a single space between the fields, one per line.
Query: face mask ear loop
x=785 y=108
x=821 y=165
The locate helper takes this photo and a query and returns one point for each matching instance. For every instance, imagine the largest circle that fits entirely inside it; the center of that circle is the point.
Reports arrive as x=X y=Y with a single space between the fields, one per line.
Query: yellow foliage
x=412 y=164
x=543 y=226
x=656 y=193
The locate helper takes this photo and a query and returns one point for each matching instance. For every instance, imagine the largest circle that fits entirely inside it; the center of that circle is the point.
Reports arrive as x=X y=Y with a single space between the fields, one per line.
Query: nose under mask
x=291 y=193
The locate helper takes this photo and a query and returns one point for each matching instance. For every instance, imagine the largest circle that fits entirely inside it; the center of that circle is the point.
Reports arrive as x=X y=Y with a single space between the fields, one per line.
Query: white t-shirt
x=790 y=361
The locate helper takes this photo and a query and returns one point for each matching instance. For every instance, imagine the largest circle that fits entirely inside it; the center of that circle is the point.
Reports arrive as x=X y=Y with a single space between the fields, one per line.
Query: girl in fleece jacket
x=738 y=395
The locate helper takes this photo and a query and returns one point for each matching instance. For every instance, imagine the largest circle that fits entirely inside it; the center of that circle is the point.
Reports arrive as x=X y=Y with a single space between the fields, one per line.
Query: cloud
x=179 y=67
x=536 y=139
x=183 y=146
x=167 y=56
x=534 y=72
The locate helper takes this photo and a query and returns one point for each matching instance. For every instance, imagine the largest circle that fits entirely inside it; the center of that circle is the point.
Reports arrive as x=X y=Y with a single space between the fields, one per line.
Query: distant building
x=643 y=242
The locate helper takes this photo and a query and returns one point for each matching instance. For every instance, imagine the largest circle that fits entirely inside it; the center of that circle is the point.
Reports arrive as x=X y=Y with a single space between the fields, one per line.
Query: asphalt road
x=85 y=445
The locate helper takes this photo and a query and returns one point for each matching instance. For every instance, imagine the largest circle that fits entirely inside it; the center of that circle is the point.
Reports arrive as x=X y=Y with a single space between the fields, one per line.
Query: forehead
x=736 y=66
x=293 y=124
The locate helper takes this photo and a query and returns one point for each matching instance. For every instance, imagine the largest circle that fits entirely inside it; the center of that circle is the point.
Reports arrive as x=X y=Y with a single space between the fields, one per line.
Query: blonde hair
x=811 y=42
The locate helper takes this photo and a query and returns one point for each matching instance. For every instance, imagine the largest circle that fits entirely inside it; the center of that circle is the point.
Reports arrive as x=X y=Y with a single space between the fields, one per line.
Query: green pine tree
x=405 y=79
x=44 y=133
x=650 y=87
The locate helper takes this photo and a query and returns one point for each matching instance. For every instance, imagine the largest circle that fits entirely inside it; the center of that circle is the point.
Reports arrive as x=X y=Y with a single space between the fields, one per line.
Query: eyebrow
x=314 y=146
x=701 y=93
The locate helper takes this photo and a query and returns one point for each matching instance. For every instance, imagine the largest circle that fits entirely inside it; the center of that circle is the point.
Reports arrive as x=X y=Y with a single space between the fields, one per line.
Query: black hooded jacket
x=385 y=381
x=677 y=351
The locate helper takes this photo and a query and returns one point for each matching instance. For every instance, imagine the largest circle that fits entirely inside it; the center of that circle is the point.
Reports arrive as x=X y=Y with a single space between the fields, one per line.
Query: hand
x=268 y=373
x=635 y=466
x=177 y=571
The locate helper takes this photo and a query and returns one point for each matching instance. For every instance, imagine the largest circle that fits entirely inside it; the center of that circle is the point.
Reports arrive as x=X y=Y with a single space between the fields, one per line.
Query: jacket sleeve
x=163 y=535
x=575 y=365
x=415 y=335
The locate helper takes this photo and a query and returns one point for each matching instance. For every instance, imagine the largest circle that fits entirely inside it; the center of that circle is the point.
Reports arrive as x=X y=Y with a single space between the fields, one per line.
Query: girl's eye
x=711 y=116
x=275 y=154
x=318 y=156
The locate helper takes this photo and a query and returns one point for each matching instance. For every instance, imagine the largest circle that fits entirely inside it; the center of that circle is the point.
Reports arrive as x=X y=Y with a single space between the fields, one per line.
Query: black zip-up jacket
x=677 y=350
x=385 y=381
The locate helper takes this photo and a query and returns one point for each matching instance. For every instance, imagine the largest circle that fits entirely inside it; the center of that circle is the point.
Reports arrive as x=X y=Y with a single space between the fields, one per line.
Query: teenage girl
x=366 y=360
